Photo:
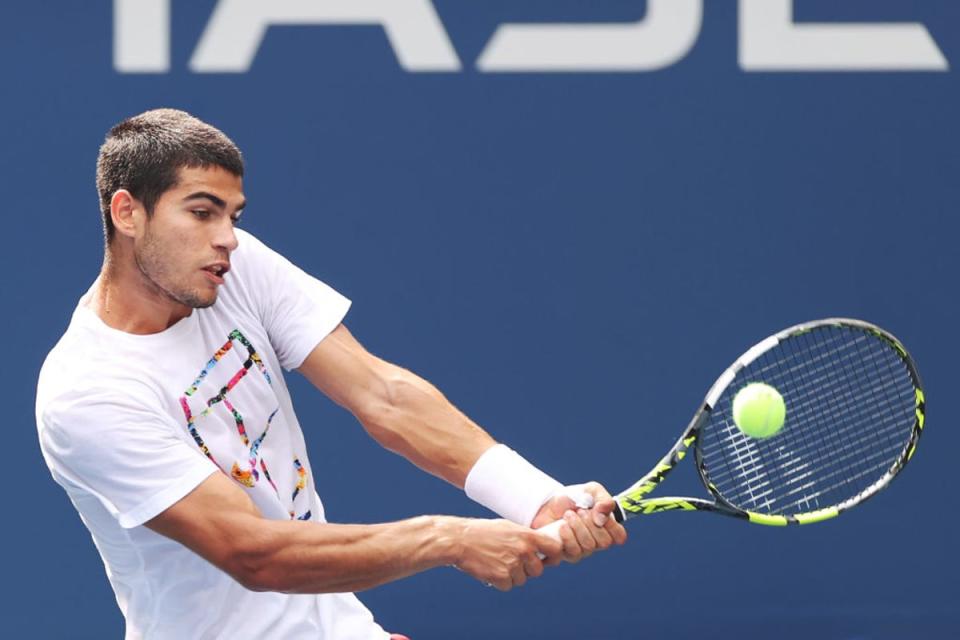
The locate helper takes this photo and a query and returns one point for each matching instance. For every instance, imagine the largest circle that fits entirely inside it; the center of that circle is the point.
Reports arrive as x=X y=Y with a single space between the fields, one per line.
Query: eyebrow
x=220 y=202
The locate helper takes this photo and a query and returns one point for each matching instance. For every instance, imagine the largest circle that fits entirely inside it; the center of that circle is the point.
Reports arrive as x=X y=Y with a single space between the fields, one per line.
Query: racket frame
x=633 y=501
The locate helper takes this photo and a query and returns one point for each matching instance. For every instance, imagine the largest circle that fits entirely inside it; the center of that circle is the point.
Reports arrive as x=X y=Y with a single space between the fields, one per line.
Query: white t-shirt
x=129 y=424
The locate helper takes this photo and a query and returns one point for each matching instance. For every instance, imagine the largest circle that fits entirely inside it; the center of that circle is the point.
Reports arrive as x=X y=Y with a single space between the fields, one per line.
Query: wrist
x=445 y=539
x=507 y=484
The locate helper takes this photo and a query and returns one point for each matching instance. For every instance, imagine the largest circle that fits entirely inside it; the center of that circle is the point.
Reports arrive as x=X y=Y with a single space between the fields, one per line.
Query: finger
x=571 y=547
x=518 y=577
x=602 y=510
x=503 y=582
x=552 y=561
x=601 y=538
x=532 y=566
x=616 y=530
x=580 y=531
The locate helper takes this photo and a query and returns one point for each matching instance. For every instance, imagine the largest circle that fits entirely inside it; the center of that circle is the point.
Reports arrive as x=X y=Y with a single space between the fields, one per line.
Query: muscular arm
x=409 y=416
x=400 y=410
x=218 y=521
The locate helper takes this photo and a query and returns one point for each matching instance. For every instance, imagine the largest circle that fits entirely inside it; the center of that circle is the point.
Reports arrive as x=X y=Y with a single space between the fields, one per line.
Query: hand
x=502 y=554
x=588 y=529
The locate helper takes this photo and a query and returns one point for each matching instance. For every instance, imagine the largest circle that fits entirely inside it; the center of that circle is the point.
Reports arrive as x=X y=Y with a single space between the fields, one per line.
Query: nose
x=226 y=237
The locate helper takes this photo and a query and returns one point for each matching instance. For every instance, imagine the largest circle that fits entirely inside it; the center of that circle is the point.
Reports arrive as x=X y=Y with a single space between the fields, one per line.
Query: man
x=163 y=413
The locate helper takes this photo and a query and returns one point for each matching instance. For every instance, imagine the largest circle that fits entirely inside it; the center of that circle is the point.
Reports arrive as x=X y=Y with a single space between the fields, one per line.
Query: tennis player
x=163 y=413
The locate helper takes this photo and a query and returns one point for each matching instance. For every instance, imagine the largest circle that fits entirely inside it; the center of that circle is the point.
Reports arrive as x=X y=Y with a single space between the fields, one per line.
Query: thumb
x=559 y=503
x=578 y=494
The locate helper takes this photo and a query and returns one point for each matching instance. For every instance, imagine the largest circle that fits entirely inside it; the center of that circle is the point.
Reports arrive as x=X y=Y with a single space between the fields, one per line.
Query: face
x=183 y=249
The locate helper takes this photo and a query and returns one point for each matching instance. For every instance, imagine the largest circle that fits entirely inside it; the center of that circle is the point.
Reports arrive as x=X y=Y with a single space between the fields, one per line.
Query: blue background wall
x=571 y=257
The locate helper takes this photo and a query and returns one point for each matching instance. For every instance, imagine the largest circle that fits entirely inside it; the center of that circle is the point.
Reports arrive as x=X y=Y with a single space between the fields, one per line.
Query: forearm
x=309 y=557
x=304 y=557
x=418 y=422
x=313 y=557
x=403 y=412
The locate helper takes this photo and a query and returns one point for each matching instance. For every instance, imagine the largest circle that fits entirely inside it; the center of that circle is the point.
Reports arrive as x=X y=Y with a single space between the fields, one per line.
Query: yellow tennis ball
x=758 y=410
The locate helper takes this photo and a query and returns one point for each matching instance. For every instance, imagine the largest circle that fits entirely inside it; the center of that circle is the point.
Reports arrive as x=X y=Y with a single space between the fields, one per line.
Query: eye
x=235 y=220
x=202 y=214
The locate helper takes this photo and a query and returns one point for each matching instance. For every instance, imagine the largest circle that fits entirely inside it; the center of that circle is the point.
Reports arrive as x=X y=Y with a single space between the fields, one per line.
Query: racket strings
x=847 y=467
x=792 y=468
x=838 y=407
x=801 y=412
x=841 y=434
x=850 y=413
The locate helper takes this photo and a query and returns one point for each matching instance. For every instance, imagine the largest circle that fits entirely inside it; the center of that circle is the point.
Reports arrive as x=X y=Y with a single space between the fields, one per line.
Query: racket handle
x=553 y=529
x=581 y=499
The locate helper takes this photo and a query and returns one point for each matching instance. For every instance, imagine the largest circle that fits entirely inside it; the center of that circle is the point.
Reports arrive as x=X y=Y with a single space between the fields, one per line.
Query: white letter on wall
x=663 y=37
x=770 y=41
x=141 y=36
x=236 y=28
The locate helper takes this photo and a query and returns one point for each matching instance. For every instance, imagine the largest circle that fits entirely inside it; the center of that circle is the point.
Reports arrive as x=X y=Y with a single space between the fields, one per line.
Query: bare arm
x=308 y=557
x=400 y=410
x=409 y=416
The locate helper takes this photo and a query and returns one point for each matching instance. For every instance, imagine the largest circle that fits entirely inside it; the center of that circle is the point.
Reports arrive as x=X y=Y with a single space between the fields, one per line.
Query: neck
x=127 y=301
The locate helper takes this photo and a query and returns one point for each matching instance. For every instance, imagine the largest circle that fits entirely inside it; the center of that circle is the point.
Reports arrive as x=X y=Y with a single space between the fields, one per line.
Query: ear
x=123 y=211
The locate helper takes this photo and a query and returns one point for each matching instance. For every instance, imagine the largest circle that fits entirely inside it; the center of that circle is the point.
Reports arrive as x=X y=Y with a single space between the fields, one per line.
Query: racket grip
x=552 y=530
x=581 y=499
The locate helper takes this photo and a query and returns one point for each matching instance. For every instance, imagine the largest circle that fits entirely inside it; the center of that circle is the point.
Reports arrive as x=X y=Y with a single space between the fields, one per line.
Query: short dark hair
x=144 y=154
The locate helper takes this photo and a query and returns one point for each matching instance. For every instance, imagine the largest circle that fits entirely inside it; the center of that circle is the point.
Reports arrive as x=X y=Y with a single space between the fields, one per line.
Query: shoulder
x=259 y=275
x=92 y=402
x=250 y=248
x=253 y=266
x=82 y=379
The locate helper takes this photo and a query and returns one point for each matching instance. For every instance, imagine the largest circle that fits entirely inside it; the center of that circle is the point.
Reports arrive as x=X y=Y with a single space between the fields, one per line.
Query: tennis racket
x=855 y=411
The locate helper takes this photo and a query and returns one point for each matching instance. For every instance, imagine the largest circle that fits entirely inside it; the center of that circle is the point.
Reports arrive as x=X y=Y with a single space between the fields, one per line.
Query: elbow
x=251 y=562
x=258 y=580
x=274 y=564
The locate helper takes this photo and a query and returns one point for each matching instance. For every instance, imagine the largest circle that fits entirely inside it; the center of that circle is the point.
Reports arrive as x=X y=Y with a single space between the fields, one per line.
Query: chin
x=206 y=302
x=196 y=301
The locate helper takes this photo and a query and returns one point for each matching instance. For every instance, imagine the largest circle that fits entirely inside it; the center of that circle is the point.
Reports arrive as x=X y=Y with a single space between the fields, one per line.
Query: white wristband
x=504 y=482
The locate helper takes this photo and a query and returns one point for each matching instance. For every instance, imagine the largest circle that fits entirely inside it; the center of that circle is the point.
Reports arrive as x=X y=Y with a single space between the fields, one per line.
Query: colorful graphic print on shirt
x=246 y=472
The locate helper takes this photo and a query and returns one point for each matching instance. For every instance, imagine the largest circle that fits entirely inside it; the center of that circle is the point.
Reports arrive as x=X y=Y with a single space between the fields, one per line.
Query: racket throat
x=647 y=506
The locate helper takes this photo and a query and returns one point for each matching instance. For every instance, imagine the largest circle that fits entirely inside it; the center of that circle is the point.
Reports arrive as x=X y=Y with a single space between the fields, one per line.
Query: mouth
x=217 y=271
